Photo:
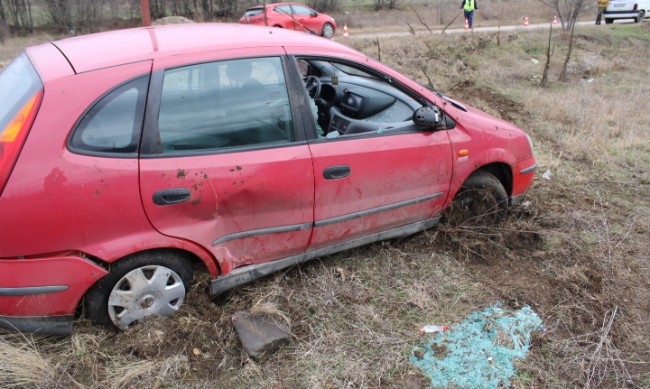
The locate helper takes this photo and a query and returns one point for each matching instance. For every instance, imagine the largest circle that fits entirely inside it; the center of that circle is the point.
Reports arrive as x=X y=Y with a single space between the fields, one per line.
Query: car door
x=223 y=163
x=285 y=18
x=306 y=19
x=391 y=175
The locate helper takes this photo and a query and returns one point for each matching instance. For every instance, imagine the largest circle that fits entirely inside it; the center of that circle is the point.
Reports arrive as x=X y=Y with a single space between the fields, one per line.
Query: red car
x=292 y=16
x=130 y=159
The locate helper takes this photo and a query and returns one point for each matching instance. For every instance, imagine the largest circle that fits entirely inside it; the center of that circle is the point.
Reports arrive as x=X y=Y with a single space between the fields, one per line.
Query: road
x=538 y=26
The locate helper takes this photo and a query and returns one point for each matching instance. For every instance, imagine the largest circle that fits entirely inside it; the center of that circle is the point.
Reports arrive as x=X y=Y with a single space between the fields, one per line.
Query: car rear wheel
x=481 y=200
x=609 y=21
x=139 y=287
x=639 y=17
x=328 y=30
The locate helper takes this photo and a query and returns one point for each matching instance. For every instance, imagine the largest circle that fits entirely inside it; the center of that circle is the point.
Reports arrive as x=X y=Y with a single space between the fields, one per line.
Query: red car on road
x=292 y=16
x=130 y=159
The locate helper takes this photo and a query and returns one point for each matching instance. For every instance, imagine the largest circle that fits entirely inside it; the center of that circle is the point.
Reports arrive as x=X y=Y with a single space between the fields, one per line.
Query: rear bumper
x=42 y=294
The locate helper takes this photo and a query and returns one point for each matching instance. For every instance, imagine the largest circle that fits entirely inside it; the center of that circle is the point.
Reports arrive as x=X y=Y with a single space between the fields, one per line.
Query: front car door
x=306 y=19
x=284 y=17
x=374 y=170
x=224 y=163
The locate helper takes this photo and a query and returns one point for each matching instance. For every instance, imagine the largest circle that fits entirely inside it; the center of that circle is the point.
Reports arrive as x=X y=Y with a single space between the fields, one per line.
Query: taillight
x=13 y=136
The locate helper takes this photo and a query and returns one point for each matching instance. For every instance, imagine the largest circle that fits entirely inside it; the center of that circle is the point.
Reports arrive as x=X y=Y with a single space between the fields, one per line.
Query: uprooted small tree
x=568 y=11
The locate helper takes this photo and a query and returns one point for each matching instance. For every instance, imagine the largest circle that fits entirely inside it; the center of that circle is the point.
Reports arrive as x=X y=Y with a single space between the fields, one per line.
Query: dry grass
x=23 y=365
x=146 y=373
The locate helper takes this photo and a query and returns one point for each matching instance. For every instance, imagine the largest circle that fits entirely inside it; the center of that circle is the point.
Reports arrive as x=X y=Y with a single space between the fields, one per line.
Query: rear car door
x=224 y=163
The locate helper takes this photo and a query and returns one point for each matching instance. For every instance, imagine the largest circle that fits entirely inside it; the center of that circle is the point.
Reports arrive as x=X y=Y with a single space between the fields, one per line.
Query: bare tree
x=568 y=10
x=324 y=5
x=89 y=14
x=18 y=15
x=61 y=13
x=4 y=27
x=207 y=9
x=444 y=10
x=381 y=4
x=563 y=76
x=3 y=13
x=549 y=54
x=158 y=9
x=70 y=15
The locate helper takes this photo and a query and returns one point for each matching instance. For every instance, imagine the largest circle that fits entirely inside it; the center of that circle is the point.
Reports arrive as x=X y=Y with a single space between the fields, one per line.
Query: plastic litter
x=431 y=328
x=480 y=352
x=547 y=175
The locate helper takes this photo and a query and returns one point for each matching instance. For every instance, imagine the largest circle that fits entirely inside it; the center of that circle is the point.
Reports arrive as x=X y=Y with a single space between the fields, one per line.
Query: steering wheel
x=312 y=85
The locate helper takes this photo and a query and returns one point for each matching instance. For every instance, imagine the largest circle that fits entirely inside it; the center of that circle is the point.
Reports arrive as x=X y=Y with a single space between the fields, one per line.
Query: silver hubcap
x=144 y=292
x=328 y=31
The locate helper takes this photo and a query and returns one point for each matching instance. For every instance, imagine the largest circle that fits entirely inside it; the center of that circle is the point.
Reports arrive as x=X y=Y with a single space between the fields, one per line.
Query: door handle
x=336 y=172
x=171 y=196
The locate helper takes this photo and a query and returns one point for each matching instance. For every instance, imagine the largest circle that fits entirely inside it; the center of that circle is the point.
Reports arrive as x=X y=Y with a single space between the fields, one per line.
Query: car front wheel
x=481 y=200
x=609 y=21
x=328 y=30
x=142 y=286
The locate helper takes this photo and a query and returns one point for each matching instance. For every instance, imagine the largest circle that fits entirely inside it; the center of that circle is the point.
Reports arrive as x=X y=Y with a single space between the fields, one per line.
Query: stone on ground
x=259 y=335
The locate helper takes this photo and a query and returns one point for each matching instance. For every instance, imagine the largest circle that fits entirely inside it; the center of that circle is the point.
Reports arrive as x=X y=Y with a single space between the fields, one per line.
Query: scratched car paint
x=126 y=167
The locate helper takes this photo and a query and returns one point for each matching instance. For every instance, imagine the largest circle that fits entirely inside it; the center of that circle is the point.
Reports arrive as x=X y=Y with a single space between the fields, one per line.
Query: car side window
x=225 y=105
x=114 y=123
x=283 y=9
x=347 y=99
x=300 y=10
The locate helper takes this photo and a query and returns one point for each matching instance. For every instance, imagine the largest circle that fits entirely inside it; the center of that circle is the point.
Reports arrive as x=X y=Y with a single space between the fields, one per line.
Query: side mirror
x=429 y=119
x=314 y=14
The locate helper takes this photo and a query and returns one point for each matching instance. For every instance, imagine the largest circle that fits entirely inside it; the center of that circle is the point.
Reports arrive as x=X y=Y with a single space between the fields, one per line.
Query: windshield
x=18 y=83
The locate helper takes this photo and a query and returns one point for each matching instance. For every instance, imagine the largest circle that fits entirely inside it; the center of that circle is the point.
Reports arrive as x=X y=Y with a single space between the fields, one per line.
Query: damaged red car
x=131 y=159
x=292 y=16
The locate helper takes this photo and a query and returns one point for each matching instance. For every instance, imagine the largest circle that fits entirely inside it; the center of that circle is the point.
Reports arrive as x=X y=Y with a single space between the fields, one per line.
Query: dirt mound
x=488 y=100
x=172 y=20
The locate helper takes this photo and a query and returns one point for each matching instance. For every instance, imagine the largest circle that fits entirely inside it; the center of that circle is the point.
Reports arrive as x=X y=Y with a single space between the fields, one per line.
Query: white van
x=626 y=9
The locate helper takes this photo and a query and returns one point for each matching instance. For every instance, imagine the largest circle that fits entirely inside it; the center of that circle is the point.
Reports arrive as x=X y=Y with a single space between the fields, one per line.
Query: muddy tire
x=481 y=200
x=141 y=286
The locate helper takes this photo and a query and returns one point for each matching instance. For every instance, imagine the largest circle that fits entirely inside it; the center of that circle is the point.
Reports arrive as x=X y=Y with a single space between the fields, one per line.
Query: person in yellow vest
x=602 y=6
x=469 y=6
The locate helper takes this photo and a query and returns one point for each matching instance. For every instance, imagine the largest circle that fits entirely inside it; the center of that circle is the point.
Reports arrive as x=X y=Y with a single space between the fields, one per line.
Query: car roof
x=96 y=51
x=271 y=5
x=286 y=3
